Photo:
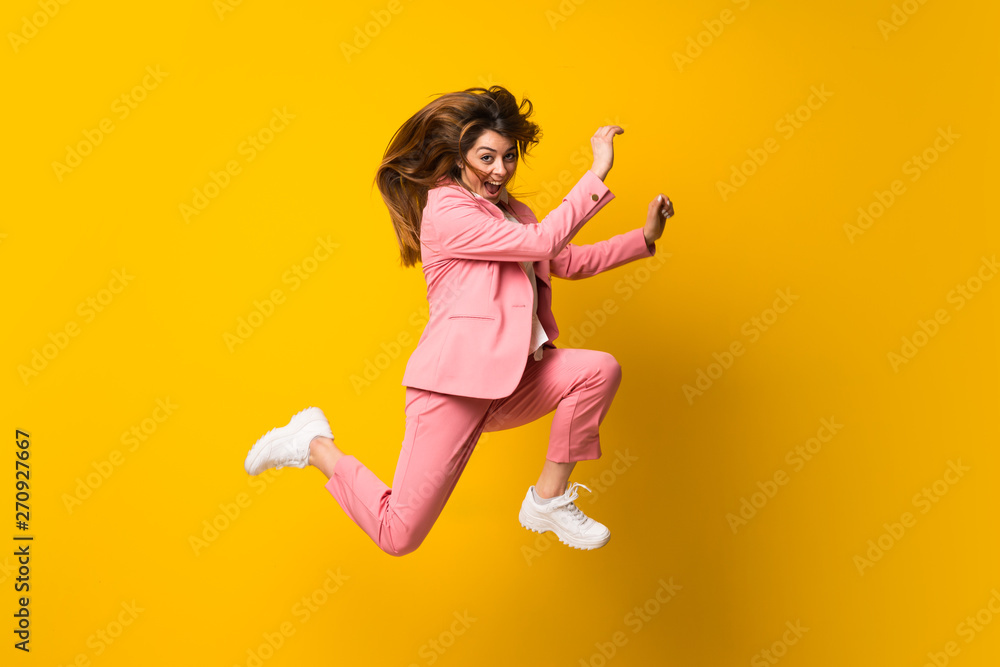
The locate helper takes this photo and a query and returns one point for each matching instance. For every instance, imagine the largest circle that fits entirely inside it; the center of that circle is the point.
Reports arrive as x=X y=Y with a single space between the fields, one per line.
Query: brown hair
x=428 y=146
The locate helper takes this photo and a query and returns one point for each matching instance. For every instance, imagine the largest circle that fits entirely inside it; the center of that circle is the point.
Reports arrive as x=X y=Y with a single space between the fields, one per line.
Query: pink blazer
x=476 y=340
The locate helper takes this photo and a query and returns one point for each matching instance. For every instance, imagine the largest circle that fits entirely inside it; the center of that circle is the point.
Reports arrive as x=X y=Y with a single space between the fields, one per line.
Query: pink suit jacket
x=475 y=342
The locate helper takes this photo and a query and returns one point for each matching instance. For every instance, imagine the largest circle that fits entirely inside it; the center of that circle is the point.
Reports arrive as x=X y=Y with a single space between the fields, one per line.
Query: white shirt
x=538 y=335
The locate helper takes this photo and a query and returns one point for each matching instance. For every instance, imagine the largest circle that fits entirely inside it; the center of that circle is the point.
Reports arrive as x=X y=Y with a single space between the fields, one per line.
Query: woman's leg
x=441 y=432
x=552 y=482
x=324 y=454
x=580 y=386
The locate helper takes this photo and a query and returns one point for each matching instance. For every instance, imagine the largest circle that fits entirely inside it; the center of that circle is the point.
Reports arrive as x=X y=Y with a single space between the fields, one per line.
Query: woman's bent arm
x=455 y=225
x=583 y=261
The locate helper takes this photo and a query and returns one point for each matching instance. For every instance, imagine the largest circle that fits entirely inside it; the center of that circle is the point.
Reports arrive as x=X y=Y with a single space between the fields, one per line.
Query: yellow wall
x=769 y=124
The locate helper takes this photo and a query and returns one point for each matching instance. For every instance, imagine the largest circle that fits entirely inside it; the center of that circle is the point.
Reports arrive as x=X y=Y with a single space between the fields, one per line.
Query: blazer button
x=594 y=197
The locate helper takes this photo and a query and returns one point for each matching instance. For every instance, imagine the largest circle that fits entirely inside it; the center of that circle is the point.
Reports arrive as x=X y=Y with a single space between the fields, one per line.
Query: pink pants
x=442 y=431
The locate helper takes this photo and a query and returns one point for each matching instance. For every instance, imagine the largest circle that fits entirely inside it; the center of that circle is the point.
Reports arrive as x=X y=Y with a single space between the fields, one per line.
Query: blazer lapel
x=541 y=267
x=542 y=272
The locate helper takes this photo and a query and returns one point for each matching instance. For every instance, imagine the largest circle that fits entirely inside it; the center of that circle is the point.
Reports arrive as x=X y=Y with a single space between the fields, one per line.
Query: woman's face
x=495 y=158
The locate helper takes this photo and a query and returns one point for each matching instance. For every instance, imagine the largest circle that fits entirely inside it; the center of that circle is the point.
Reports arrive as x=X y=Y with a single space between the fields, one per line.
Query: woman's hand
x=604 y=152
x=660 y=209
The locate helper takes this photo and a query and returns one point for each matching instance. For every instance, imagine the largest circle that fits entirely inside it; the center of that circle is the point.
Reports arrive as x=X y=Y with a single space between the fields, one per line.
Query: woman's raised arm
x=455 y=225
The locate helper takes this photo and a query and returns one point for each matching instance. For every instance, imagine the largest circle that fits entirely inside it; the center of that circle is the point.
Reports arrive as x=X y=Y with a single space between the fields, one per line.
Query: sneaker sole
x=281 y=434
x=545 y=527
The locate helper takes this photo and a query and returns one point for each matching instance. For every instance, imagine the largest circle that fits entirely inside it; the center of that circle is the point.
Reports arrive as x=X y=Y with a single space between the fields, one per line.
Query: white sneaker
x=564 y=518
x=287 y=445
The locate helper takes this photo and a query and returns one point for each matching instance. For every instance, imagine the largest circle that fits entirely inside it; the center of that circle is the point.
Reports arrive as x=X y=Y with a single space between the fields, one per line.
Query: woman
x=485 y=360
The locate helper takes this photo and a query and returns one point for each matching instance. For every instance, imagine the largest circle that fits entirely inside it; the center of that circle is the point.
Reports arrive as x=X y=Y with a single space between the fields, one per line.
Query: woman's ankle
x=548 y=492
x=323 y=453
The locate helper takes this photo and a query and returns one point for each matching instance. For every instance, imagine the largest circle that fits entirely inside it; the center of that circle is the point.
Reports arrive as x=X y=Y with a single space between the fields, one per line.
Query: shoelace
x=567 y=501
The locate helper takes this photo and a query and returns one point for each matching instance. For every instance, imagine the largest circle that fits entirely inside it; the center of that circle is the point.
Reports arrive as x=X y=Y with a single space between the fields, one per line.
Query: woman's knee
x=400 y=537
x=407 y=545
x=609 y=368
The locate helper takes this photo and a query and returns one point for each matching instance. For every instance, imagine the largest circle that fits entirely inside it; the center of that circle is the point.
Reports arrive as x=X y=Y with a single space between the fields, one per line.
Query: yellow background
x=534 y=601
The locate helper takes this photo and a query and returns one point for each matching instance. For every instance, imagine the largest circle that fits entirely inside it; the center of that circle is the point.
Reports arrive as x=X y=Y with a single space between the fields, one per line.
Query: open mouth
x=492 y=188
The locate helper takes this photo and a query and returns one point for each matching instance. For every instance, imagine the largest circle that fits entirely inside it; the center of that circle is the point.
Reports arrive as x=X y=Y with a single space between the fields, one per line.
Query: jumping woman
x=486 y=359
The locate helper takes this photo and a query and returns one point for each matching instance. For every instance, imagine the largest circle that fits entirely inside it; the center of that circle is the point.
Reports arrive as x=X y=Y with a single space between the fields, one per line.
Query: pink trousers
x=442 y=431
